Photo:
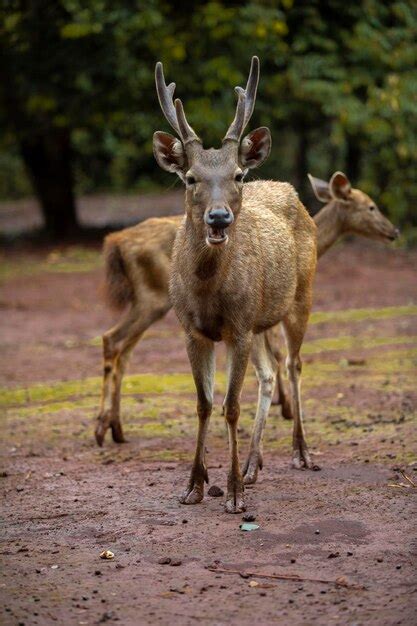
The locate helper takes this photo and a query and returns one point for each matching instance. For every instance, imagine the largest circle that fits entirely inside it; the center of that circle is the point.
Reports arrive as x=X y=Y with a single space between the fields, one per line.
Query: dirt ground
x=65 y=500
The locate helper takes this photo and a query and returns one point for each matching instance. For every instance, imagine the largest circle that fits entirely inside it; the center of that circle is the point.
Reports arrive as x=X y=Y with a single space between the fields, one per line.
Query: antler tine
x=236 y=127
x=186 y=132
x=176 y=117
x=251 y=89
x=165 y=97
x=245 y=104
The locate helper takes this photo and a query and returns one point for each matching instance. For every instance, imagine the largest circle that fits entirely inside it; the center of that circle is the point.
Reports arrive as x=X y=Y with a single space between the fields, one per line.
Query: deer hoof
x=235 y=505
x=192 y=496
x=286 y=411
x=250 y=472
x=100 y=433
x=117 y=433
x=250 y=476
x=301 y=460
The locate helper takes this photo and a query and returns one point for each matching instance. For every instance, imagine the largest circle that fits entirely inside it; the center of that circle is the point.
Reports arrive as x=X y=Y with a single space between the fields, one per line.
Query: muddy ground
x=65 y=500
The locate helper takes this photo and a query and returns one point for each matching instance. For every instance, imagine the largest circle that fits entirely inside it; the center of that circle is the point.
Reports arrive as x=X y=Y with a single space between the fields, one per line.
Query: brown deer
x=241 y=264
x=138 y=264
x=346 y=210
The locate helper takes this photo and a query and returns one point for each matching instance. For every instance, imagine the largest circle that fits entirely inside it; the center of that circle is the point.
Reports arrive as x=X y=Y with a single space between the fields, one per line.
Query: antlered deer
x=138 y=263
x=240 y=265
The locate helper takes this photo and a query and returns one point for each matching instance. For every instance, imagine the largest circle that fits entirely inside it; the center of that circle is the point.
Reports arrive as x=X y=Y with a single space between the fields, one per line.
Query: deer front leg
x=202 y=359
x=238 y=354
x=265 y=367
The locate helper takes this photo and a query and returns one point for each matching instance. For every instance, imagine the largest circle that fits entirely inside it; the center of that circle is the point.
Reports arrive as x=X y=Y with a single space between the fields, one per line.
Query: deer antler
x=245 y=103
x=174 y=114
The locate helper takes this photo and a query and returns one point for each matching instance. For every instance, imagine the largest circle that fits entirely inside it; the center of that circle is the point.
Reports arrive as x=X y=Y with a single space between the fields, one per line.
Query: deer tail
x=118 y=288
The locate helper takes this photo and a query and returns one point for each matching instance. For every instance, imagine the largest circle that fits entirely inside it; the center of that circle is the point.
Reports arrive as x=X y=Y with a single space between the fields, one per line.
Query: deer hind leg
x=239 y=355
x=295 y=326
x=281 y=397
x=202 y=359
x=265 y=367
x=118 y=344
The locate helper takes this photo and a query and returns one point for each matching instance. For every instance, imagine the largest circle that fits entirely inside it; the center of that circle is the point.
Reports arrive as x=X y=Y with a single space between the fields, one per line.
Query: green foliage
x=338 y=86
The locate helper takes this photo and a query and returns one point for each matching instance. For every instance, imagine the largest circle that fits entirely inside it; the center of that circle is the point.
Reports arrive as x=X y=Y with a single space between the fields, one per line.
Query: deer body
x=218 y=300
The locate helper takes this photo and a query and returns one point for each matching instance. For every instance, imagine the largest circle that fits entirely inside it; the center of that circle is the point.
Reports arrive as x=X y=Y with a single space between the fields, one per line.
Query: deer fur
x=137 y=268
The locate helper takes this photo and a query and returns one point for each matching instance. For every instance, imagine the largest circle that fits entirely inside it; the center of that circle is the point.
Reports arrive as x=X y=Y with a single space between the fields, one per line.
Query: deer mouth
x=392 y=235
x=216 y=236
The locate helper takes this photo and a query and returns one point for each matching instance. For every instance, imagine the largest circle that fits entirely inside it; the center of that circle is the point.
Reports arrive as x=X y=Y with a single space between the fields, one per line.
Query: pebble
x=215 y=491
x=164 y=560
x=175 y=562
x=249 y=517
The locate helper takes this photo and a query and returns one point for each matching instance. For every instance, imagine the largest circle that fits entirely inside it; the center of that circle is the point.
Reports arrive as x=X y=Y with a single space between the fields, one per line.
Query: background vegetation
x=78 y=106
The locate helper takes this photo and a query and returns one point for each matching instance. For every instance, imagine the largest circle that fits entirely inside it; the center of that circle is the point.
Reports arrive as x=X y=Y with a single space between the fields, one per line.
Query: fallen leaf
x=248 y=527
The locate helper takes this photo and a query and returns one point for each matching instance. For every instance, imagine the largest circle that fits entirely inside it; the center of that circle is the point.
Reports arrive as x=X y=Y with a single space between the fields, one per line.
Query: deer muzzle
x=217 y=219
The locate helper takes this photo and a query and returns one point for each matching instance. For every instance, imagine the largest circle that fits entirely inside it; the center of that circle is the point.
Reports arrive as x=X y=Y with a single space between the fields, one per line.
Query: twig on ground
x=410 y=480
x=339 y=582
x=399 y=485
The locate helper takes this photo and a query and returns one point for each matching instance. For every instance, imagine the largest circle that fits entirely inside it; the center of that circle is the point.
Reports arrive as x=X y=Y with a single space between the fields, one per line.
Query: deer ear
x=255 y=148
x=169 y=153
x=321 y=188
x=340 y=186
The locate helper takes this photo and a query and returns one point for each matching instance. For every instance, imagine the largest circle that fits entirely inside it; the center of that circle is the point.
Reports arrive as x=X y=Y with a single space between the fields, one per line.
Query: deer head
x=357 y=210
x=213 y=178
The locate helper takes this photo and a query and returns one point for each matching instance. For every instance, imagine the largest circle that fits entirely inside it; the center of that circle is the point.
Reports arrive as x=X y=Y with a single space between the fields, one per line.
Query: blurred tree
x=338 y=90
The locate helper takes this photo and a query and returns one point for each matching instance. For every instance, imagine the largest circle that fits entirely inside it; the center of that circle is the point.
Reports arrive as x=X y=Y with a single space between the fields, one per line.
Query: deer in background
x=241 y=264
x=138 y=265
x=346 y=210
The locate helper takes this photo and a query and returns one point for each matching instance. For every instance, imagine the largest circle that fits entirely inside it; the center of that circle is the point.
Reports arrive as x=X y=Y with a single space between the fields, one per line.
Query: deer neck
x=208 y=264
x=330 y=226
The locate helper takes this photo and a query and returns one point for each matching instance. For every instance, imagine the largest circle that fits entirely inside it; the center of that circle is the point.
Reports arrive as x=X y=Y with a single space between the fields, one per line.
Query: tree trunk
x=47 y=157
x=353 y=159
x=301 y=160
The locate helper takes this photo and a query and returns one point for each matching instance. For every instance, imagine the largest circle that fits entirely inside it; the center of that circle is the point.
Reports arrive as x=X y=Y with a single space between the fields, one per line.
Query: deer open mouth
x=216 y=236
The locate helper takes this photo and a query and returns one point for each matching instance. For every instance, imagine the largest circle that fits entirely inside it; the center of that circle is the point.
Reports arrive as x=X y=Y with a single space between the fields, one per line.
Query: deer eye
x=239 y=177
x=190 y=180
x=372 y=207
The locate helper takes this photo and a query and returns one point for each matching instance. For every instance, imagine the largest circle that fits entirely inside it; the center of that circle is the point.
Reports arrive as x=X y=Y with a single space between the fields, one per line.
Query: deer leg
x=272 y=337
x=239 y=355
x=295 y=326
x=265 y=367
x=282 y=397
x=118 y=344
x=202 y=359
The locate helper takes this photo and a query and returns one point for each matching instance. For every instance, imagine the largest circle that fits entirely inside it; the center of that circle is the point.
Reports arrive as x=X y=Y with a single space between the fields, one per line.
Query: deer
x=346 y=211
x=242 y=262
x=138 y=265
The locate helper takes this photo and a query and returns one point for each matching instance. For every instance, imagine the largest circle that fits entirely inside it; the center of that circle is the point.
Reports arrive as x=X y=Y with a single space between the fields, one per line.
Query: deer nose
x=219 y=217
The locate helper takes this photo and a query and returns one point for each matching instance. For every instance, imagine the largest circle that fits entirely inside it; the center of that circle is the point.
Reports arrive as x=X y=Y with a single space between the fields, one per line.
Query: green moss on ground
x=66 y=261
x=359 y=315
